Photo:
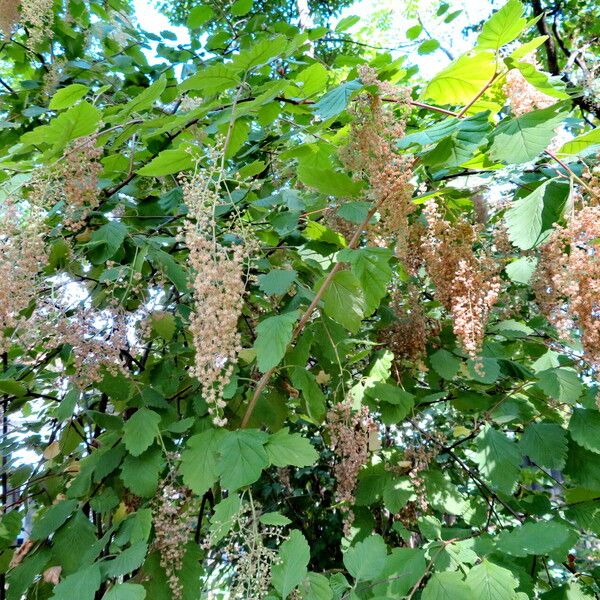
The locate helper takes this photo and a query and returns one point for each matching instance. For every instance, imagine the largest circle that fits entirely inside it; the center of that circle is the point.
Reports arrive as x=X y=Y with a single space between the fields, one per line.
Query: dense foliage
x=273 y=328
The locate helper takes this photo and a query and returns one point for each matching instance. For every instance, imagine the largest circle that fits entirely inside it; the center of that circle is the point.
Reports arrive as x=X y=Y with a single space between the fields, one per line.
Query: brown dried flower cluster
x=218 y=289
x=467 y=284
x=523 y=96
x=419 y=457
x=173 y=517
x=22 y=255
x=567 y=280
x=9 y=15
x=352 y=434
x=372 y=154
x=407 y=337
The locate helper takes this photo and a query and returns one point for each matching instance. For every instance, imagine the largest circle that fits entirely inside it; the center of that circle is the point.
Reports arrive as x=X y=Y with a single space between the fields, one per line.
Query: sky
x=450 y=35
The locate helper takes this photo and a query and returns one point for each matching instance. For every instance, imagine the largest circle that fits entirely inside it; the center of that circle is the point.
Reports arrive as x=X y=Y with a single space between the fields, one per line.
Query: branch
x=549 y=44
x=353 y=243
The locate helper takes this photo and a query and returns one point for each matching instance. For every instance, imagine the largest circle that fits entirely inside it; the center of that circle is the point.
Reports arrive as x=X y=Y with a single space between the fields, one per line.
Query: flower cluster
x=72 y=181
x=523 y=96
x=407 y=336
x=96 y=338
x=9 y=15
x=567 y=280
x=218 y=289
x=251 y=547
x=351 y=434
x=371 y=153
x=172 y=517
x=38 y=15
x=466 y=283
x=22 y=255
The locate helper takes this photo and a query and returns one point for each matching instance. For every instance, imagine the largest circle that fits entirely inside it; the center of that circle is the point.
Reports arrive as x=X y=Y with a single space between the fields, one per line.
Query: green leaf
x=328 y=181
x=140 y=431
x=372 y=269
x=462 y=80
x=447 y=586
x=403 y=568
x=284 y=449
x=523 y=138
x=460 y=146
x=412 y=33
x=163 y=324
x=143 y=100
x=125 y=591
x=503 y=27
x=347 y=22
x=499 y=459
x=491 y=582
x=355 y=212
x=273 y=336
x=125 y=562
x=67 y=96
x=316 y=587
x=81 y=119
x=199 y=460
x=529 y=219
x=366 y=560
x=277 y=281
x=168 y=162
x=223 y=517
x=170 y=267
x=336 y=100
x=199 y=15
x=243 y=457
x=534 y=538
x=521 y=270
x=542 y=81
x=12 y=387
x=344 y=300
x=260 y=53
x=212 y=80
x=545 y=444
x=444 y=363
x=294 y=554
x=312 y=398
x=274 y=518
x=394 y=403
x=562 y=384
x=140 y=473
x=580 y=143
x=52 y=519
x=105 y=241
x=428 y=46
x=241 y=7
x=82 y=585
x=584 y=428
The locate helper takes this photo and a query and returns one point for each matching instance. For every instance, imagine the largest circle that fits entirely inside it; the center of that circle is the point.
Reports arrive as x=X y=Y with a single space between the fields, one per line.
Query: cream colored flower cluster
x=218 y=289
x=172 y=517
x=523 y=96
x=467 y=284
x=22 y=256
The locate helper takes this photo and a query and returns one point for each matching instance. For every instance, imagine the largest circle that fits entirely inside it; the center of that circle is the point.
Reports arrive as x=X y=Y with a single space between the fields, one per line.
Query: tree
x=281 y=329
